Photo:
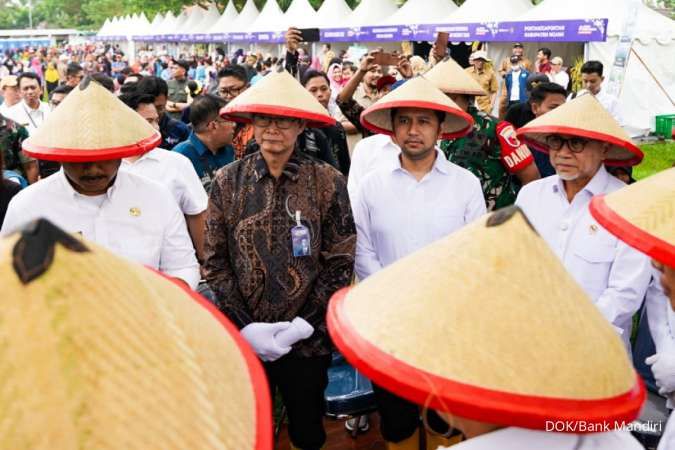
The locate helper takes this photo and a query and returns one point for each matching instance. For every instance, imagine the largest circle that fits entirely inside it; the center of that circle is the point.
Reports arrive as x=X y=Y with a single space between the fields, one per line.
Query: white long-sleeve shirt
x=30 y=118
x=176 y=172
x=614 y=275
x=136 y=218
x=396 y=215
x=521 y=439
x=369 y=154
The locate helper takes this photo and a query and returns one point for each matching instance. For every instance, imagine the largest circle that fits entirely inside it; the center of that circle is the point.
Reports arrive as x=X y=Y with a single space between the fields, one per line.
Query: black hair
x=204 y=109
x=541 y=90
x=193 y=87
x=235 y=71
x=104 y=80
x=348 y=65
x=183 y=63
x=546 y=51
x=590 y=67
x=31 y=75
x=310 y=74
x=73 y=69
x=440 y=115
x=327 y=45
x=152 y=85
x=335 y=60
x=62 y=89
x=134 y=99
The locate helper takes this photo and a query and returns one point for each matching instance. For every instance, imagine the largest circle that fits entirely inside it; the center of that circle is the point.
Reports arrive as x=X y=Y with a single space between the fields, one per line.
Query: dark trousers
x=301 y=383
x=400 y=418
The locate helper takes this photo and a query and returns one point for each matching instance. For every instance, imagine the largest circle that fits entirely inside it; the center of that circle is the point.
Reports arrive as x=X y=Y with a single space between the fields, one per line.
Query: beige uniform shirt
x=488 y=81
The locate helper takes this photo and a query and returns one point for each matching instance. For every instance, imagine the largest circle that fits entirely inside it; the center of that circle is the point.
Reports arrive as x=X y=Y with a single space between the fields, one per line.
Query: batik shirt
x=249 y=258
x=480 y=152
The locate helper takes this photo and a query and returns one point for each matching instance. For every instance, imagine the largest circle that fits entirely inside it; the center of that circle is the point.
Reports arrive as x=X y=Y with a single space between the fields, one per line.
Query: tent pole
x=652 y=75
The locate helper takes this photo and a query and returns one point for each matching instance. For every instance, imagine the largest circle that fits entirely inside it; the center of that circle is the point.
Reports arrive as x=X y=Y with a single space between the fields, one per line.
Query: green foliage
x=658 y=156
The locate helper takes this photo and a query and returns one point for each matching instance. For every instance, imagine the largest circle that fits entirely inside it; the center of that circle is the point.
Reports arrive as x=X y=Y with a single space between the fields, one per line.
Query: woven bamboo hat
x=417 y=93
x=91 y=124
x=584 y=117
x=458 y=327
x=642 y=215
x=278 y=94
x=101 y=353
x=449 y=77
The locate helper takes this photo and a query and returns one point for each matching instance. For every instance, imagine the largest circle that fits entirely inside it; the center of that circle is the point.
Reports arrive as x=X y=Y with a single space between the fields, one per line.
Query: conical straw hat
x=488 y=325
x=642 y=215
x=417 y=93
x=278 y=94
x=585 y=117
x=91 y=124
x=449 y=77
x=101 y=353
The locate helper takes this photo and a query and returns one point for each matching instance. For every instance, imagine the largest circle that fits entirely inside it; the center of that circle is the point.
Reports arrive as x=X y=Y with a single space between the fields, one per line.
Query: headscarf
x=335 y=85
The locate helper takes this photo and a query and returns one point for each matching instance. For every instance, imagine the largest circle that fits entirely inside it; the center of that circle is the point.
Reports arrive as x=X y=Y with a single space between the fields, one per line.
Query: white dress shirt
x=396 y=215
x=176 y=172
x=614 y=275
x=610 y=103
x=515 y=84
x=561 y=78
x=370 y=153
x=521 y=439
x=667 y=441
x=30 y=118
x=137 y=219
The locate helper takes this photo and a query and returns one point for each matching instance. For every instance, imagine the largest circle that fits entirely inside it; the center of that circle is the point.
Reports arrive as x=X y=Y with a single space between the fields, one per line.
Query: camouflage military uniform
x=11 y=137
x=480 y=153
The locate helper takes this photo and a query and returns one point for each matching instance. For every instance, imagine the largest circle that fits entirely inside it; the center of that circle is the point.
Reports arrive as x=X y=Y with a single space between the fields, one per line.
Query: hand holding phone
x=441 y=45
x=385 y=59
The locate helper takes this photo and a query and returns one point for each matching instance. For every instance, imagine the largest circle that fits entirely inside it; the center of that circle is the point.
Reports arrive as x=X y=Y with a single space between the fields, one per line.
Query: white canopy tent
x=211 y=16
x=422 y=12
x=271 y=18
x=370 y=13
x=168 y=26
x=332 y=14
x=641 y=98
x=194 y=14
x=225 y=21
x=247 y=16
x=104 y=28
x=300 y=15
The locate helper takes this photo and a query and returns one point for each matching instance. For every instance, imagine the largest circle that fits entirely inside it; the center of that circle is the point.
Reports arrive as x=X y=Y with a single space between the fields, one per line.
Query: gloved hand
x=663 y=368
x=300 y=329
x=261 y=336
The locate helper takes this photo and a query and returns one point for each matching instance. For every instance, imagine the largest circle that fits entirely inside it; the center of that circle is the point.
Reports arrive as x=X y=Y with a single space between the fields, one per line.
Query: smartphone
x=310 y=34
x=385 y=59
x=442 y=43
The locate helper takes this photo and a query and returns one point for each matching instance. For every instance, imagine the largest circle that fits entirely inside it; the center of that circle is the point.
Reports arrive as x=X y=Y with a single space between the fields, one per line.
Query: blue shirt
x=204 y=161
x=173 y=132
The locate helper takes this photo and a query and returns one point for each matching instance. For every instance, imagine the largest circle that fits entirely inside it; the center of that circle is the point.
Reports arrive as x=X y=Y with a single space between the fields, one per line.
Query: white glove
x=261 y=336
x=663 y=368
x=300 y=329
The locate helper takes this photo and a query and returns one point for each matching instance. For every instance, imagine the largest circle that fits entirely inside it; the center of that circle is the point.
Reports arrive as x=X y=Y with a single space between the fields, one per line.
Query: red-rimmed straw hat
x=584 y=117
x=451 y=78
x=642 y=215
x=278 y=94
x=417 y=93
x=459 y=328
x=100 y=352
x=91 y=124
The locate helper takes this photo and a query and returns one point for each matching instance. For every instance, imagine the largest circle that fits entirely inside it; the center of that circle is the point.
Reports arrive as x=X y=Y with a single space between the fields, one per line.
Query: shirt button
x=564 y=226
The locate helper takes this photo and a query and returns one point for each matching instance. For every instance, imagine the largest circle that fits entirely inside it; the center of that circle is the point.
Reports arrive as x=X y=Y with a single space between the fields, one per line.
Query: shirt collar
x=291 y=169
x=30 y=110
x=441 y=164
x=597 y=185
x=198 y=144
x=74 y=194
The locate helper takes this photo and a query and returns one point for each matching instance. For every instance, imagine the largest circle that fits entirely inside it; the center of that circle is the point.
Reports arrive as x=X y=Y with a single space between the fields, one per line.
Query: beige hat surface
x=459 y=327
x=584 y=117
x=480 y=54
x=8 y=81
x=450 y=77
x=643 y=215
x=417 y=93
x=91 y=124
x=278 y=94
x=99 y=353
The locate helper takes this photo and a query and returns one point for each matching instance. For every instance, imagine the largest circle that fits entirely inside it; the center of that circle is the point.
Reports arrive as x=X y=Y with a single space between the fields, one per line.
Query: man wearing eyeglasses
x=232 y=81
x=580 y=138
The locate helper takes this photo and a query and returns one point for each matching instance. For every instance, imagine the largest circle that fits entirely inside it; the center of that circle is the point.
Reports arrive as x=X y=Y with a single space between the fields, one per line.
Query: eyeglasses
x=575 y=144
x=232 y=91
x=283 y=123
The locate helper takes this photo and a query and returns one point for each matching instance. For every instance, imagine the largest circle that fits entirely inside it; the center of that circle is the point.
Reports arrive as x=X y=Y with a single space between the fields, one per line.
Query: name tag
x=300 y=240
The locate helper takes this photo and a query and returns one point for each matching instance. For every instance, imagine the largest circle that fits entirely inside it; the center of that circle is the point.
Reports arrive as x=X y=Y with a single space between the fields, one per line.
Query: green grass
x=658 y=156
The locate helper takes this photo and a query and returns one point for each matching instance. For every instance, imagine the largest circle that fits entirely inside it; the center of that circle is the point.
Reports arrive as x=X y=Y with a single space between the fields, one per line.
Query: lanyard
x=30 y=117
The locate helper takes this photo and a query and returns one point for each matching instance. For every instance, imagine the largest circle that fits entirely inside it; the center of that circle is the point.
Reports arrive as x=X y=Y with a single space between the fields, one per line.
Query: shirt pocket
x=137 y=244
x=595 y=256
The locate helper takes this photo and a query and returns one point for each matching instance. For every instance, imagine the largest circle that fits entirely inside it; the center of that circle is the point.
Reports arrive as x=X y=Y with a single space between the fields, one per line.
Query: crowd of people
x=271 y=184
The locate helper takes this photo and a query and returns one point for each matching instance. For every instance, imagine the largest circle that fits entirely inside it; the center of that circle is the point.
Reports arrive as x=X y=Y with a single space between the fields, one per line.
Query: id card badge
x=300 y=238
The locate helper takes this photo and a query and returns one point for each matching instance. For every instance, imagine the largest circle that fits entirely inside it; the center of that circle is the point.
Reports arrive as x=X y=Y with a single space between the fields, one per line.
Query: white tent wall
x=370 y=13
x=300 y=15
x=332 y=14
x=422 y=11
x=271 y=18
x=226 y=20
x=489 y=11
x=246 y=17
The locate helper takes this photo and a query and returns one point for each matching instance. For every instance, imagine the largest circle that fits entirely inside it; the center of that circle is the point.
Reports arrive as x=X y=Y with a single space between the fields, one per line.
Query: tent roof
x=169 y=24
x=195 y=14
x=489 y=10
x=422 y=12
x=224 y=22
x=211 y=16
x=300 y=14
x=332 y=14
x=271 y=18
x=649 y=25
x=247 y=16
x=371 y=13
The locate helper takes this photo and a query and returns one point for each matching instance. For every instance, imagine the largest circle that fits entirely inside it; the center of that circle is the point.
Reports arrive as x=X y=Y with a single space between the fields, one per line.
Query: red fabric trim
x=632 y=235
x=472 y=402
x=551 y=129
x=88 y=155
x=314 y=120
x=417 y=104
x=261 y=391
